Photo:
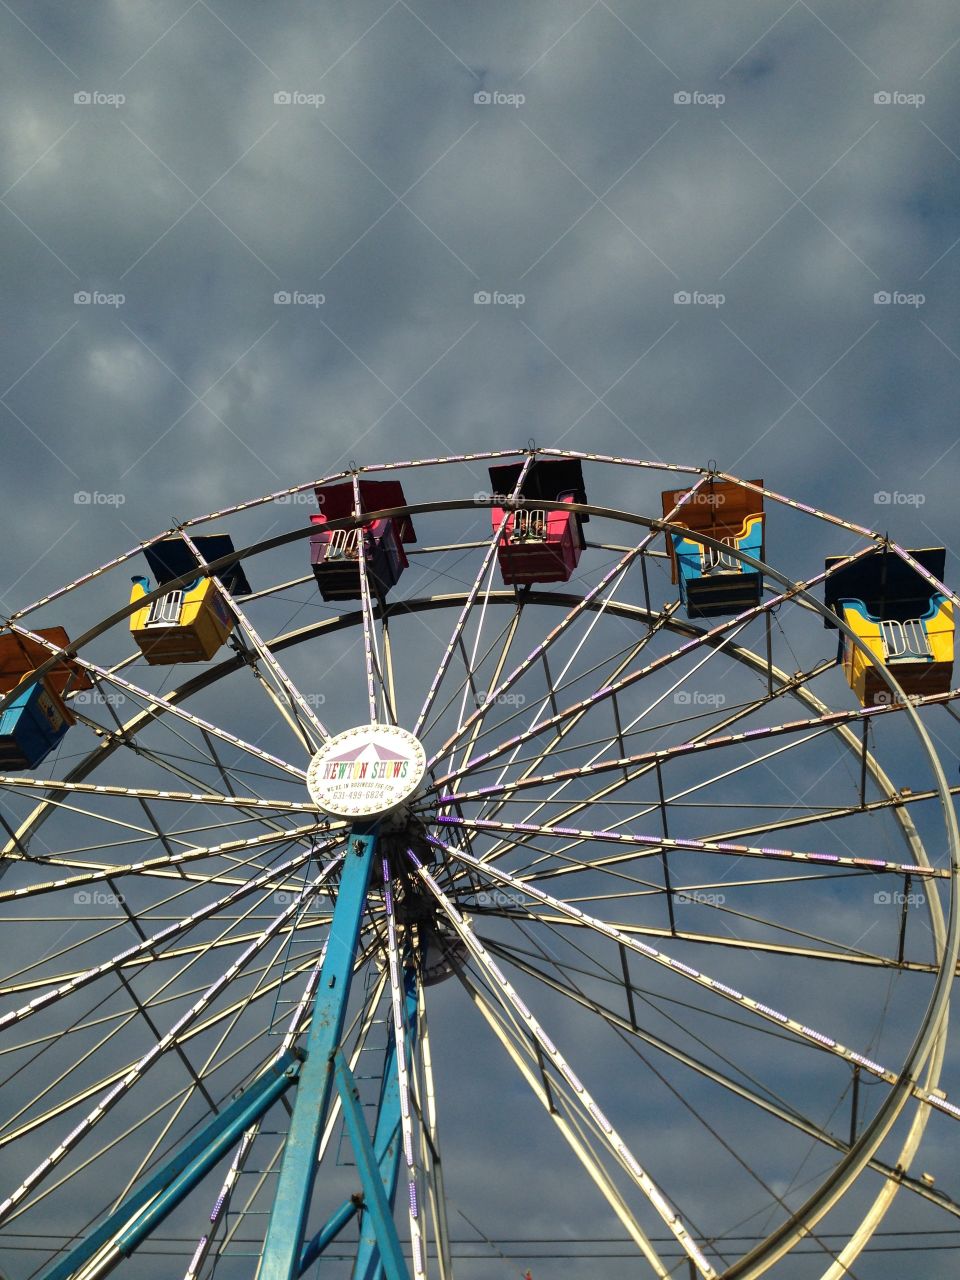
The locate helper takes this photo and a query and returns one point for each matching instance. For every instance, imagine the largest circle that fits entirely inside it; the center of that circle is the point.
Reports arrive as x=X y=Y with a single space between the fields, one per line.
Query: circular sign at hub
x=366 y=772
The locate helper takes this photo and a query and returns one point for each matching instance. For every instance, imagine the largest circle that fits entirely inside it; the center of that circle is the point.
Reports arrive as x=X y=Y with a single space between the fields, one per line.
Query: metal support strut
x=288 y=1217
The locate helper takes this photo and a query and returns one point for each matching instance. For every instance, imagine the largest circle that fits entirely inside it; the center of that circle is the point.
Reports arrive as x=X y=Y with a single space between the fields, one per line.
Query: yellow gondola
x=901 y=620
x=192 y=621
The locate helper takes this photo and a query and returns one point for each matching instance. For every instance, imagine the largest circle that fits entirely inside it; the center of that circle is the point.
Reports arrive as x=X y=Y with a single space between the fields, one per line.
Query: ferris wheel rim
x=612 y=513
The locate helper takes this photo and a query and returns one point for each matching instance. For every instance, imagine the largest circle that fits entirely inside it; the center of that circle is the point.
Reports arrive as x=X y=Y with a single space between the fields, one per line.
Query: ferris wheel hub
x=369 y=771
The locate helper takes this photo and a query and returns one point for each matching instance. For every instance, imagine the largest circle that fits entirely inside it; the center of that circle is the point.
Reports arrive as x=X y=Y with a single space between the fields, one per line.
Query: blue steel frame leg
x=288 y=1217
x=388 y=1119
x=180 y=1173
x=368 y=1265
x=374 y=1193
x=327 y=1234
x=386 y=1146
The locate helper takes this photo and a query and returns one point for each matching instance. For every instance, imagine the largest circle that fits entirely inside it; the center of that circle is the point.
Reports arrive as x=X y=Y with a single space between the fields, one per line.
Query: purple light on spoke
x=867 y=1062
x=780 y=1017
x=719 y=846
x=572 y=1077
x=818 y=1035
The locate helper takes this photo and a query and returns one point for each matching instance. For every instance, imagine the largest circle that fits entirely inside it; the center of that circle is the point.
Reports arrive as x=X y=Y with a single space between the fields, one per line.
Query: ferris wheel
x=444 y=856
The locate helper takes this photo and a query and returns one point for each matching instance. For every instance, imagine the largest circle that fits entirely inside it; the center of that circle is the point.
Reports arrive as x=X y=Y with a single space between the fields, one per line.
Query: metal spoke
x=221 y=1204
x=569 y=725
x=144 y=949
x=779 y=1111
x=654 y=844
x=596 y=591
x=293 y=694
x=34 y=1178
x=643 y=1180
x=622 y=937
x=721 y=629
x=397 y=1000
x=19 y=780
x=430 y=1150
x=157 y=700
x=832 y=720
x=371 y=656
x=514 y=1045
x=485 y=571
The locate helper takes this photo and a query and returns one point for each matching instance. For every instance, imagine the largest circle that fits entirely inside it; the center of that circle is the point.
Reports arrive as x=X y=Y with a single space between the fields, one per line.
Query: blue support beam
x=183 y=1170
x=328 y=1233
x=386 y=1146
x=368 y=1265
x=291 y=1204
x=374 y=1193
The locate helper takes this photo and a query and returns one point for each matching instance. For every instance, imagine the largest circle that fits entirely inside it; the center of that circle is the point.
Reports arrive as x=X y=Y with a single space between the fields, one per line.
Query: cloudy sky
x=244 y=244
x=583 y=184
